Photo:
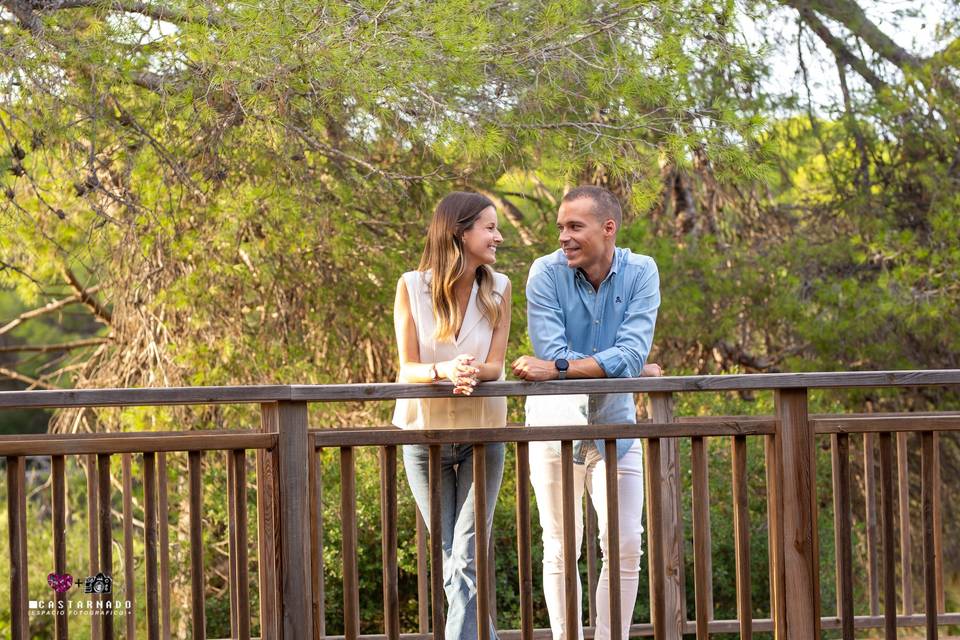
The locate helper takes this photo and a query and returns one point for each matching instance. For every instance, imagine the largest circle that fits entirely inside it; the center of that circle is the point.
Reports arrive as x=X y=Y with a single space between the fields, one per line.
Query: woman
x=452 y=318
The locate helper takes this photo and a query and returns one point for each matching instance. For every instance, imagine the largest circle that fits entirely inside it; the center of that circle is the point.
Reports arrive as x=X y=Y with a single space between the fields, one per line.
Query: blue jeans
x=457 y=524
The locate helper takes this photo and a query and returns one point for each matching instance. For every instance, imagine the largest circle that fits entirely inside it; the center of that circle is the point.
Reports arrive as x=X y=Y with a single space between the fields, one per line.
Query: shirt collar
x=614 y=266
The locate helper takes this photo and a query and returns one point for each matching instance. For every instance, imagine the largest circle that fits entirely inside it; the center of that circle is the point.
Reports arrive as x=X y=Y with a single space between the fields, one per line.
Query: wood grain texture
x=17 y=535
x=930 y=559
x=388 y=527
x=655 y=562
x=675 y=600
x=93 y=531
x=197 y=604
x=58 y=464
x=613 y=539
x=482 y=538
x=151 y=589
x=392 y=391
x=571 y=607
x=702 y=543
x=524 y=541
x=293 y=450
x=241 y=559
x=843 y=540
x=887 y=537
x=741 y=535
x=268 y=526
x=903 y=502
x=106 y=537
x=436 y=544
x=873 y=531
x=798 y=518
x=348 y=517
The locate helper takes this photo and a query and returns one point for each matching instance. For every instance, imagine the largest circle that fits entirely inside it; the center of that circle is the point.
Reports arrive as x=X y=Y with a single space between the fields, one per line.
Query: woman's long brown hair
x=443 y=257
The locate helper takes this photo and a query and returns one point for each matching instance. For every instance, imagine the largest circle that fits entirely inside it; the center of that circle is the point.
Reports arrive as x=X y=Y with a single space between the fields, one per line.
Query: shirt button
x=594 y=350
x=596 y=322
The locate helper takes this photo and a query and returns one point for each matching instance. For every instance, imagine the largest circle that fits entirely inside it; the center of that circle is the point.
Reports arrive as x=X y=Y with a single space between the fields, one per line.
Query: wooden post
x=294 y=457
x=661 y=409
x=795 y=519
x=268 y=528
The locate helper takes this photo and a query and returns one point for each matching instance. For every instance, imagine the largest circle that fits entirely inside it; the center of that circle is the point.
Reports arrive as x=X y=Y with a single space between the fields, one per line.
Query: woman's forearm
x=490 y=371
x=417 y=372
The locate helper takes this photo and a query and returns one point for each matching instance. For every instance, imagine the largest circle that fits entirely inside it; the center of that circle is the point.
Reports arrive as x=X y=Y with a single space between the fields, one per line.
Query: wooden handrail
x=51 y=399
x=289 y=500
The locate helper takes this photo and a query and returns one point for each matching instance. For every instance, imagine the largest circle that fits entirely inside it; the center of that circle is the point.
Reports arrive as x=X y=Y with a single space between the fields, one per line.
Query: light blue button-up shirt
x=567 y=318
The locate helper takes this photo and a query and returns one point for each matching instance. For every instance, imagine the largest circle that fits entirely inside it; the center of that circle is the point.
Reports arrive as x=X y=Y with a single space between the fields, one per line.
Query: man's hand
x=651 y=370
x=534 y=369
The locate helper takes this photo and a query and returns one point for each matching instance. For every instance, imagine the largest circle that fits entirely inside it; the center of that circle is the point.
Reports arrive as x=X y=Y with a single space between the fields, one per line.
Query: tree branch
x=148 y=9
x=84 y=296
x=48 y=308
x=19 y=377
x=840 y=50
x=61 y=346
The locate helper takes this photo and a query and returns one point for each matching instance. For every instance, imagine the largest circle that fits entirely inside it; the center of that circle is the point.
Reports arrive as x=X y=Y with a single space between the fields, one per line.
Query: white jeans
x=545 y=470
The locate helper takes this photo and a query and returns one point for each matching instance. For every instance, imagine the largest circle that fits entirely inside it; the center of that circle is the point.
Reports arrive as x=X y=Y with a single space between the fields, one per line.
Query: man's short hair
x=605 y=204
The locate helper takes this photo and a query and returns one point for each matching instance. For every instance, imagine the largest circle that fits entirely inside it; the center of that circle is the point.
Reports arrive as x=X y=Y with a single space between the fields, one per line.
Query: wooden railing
x=289 y=501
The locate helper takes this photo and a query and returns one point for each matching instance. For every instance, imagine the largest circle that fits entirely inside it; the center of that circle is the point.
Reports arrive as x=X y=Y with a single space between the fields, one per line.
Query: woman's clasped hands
x=461 y=372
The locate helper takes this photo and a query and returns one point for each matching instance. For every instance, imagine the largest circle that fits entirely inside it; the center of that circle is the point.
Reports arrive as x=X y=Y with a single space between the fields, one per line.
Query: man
x=591 y=311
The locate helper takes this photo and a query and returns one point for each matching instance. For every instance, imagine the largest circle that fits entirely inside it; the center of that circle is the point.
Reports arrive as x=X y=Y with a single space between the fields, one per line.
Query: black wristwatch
x=562 y=366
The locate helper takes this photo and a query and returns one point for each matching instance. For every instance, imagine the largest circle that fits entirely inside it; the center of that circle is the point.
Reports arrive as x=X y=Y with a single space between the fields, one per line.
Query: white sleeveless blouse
x=476 y=334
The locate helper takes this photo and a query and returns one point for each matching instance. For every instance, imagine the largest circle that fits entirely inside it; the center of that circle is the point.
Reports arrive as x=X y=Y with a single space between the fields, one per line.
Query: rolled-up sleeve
x=625 y=359
x=545 y=322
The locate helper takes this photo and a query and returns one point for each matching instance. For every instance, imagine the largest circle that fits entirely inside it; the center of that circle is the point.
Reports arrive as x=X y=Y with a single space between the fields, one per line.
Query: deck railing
x=289 y=502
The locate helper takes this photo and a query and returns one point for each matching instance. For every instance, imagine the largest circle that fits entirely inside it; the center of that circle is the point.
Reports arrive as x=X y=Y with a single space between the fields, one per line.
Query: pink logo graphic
x=60 y=583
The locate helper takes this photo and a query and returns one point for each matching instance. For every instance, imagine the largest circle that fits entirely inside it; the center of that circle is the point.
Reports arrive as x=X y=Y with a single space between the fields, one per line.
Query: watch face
x=561 y=364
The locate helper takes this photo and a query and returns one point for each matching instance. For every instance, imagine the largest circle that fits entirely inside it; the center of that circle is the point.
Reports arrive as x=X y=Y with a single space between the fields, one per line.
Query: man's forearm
x=585 y=368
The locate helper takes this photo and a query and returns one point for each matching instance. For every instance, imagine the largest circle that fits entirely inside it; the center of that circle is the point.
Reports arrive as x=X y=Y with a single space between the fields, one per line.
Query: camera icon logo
x=99 y=583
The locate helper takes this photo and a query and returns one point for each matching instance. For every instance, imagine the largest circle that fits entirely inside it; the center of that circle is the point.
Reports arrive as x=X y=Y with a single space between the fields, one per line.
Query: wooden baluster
x=570 y=572
x=675 y=599
x=658 y=612
x=60 y=543
x=524 y=541
x=93 y=533
x=106 y=538
x=930 y=559
x=316 y=542
x=242 y=566
x=870 y=499
x=843 y=543
x=702 y=554
x=268 y=529
x=481 y=540
x=232 y=545
x=163 y=530
x=889 y=546
x=423 y=575
x=17 y=533
x=150 y=544
x=198 y=608
x=613 y=541
x=348 y=515
x=388 y=525
x=741 y=535
x=436 y=543
x=906 y=564
x=938 y=525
